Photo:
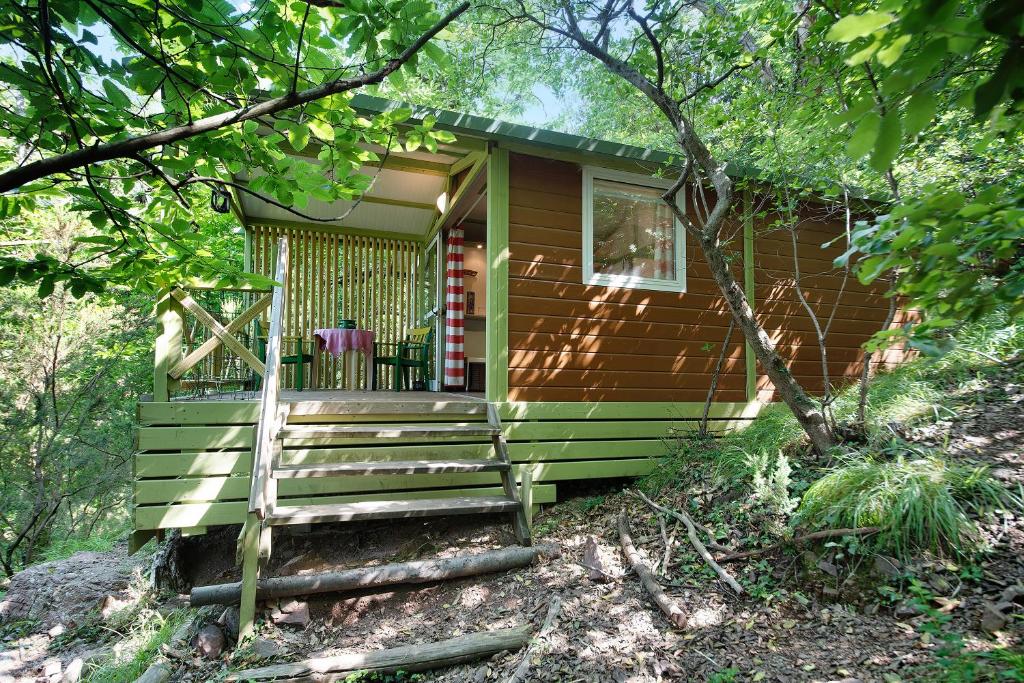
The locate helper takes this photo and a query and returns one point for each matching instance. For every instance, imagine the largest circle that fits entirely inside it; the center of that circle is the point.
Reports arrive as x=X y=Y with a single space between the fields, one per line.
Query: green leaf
x=854 y=26
x=891 y=53
x=298 y=136
x=863 y=138
x=115 y=95
x=250 y=126
x=887 y=144
x=322 y=129
x=920 y=112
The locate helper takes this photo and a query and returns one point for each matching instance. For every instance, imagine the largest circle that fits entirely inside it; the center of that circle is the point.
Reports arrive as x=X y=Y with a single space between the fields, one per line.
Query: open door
x=432 y=305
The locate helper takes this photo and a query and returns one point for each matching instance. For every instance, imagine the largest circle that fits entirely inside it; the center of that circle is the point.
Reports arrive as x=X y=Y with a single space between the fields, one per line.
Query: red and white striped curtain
x=454 y=338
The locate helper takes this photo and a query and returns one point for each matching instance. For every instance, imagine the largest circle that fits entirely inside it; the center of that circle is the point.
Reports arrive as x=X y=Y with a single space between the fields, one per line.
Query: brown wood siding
x=574 y=342
x=857 y=311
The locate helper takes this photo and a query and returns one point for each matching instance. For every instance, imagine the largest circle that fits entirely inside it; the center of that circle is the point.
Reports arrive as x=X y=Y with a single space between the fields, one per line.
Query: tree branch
x=16 y=177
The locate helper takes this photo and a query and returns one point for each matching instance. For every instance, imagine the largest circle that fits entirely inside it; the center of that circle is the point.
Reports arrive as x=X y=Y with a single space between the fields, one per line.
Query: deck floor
x=346 y=395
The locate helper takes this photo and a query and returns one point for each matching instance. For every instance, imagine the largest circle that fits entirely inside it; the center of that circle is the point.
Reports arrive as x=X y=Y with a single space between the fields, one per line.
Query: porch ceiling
x=402 y=199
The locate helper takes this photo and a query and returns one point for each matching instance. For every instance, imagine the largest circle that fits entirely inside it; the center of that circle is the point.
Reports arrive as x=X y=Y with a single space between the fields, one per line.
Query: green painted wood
x=336 y=229
x=195 y=464
x=213 y=514
x=604 y=429
x=312 y=456
x=198 y=412
x=170 y=327
x=621 y=410
x=496 y=318
x=250 y=547
x=193 y=438
x=748 y=286
x=586 y=450
x=211 y=489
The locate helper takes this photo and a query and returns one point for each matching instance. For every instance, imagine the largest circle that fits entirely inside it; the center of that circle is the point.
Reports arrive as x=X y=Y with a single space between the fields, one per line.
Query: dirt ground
x=810 y=623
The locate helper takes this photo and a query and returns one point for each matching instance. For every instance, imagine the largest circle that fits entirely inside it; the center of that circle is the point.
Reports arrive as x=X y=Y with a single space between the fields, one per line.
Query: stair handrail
x=260 y=494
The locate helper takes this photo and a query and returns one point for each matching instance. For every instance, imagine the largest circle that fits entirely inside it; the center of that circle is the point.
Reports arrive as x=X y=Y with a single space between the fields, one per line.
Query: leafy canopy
x=95 y=79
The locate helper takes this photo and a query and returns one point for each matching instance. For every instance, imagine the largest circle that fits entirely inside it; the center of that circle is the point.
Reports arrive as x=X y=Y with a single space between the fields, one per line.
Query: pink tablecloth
x=337 y=341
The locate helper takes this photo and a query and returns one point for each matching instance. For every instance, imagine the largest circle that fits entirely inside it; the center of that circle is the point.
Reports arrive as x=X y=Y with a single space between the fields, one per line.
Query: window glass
x=634 y=232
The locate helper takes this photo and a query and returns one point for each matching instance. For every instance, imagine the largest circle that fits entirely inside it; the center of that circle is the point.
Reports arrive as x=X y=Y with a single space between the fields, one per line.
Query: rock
x=828 y=568
x=267 y=649
x=51 y=670
x=56 y=630
x=209 y=641
x=294 y=613
x=73 y=672
x=65 y=591
x=1014 y=593
x=480 y=675
x=992 y=619
x=939 y=583
x=229 y=621
x=596 y=570
x=888 y=567
x=906 y=610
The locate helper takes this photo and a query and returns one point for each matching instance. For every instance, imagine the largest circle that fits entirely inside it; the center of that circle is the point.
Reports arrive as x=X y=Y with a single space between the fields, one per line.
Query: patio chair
x=403 y=356
x=293 y=352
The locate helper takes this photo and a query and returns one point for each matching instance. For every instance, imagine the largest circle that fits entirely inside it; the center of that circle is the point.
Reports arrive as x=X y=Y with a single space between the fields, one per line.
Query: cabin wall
x=849 y=311
x=574 y=342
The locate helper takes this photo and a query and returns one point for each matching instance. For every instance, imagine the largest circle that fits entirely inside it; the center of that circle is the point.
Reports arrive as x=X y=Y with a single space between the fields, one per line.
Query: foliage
x=135 y=112
x=921 y=498
x=918 y=500
x=70 y=373
x=139 y=646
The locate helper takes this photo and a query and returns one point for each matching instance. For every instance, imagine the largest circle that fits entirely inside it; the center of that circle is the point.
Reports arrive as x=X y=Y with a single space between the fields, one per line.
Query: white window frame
x=590 y=173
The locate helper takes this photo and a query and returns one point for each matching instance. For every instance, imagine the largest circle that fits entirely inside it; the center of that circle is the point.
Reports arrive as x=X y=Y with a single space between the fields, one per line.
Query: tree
x=658 y=51
x=128 y=109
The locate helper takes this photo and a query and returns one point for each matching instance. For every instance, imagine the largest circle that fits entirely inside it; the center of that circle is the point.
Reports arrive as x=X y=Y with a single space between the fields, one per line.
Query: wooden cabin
x=592 y=329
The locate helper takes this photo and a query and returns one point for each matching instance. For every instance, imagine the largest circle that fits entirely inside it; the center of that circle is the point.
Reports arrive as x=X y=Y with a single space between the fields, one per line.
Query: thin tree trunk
x=865 y=372
x=703 y=429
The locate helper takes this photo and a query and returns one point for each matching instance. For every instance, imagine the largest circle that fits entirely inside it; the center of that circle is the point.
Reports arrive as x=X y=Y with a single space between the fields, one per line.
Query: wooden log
x=673 y=611
x=422 y=571
x=422 y=657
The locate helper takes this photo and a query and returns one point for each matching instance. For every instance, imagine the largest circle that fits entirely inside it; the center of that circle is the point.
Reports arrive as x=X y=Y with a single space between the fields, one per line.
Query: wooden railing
x=205 y=341
x=262 y=493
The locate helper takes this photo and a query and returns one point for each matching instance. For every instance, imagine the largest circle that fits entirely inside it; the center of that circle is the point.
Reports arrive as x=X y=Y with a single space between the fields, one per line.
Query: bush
x=918 y=500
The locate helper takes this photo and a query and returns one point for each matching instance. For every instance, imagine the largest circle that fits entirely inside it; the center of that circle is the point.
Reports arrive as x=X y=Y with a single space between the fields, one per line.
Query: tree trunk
x=803 y=406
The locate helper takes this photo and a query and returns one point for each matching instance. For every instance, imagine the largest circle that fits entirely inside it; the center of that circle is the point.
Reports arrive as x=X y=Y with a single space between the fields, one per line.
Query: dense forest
x=122 y=125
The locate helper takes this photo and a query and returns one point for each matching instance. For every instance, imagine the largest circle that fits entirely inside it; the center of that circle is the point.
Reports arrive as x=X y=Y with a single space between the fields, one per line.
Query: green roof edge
x=494 y=129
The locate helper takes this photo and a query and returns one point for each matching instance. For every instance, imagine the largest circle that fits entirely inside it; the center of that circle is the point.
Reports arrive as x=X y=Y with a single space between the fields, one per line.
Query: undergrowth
x=921 y=499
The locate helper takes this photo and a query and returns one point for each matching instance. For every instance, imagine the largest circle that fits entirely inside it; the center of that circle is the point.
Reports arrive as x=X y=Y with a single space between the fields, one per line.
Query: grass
x=139 y=646
x=919 y=500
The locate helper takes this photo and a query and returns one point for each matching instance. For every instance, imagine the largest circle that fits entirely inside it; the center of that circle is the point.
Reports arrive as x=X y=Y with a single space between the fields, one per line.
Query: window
x=630 y=237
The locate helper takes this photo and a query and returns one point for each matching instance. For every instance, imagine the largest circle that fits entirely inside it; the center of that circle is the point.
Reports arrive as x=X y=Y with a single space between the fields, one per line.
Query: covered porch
x=377 y=264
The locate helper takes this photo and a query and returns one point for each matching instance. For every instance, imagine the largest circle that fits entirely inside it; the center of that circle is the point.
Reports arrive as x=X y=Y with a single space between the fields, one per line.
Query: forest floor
x=817 y=615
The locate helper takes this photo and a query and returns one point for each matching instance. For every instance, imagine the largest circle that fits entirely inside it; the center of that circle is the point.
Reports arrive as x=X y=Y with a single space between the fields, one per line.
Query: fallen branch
x=691 y=531
x=524 y=666
x=422 y=657
x=799 y=540
x=423 y=571
x=673 y=611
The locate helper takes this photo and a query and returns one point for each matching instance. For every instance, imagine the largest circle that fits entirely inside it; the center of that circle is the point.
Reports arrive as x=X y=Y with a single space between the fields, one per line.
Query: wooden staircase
x=437 y=432
x=275 y=430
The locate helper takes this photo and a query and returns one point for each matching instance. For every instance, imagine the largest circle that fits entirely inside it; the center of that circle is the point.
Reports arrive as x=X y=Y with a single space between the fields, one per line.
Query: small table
x=350 y=342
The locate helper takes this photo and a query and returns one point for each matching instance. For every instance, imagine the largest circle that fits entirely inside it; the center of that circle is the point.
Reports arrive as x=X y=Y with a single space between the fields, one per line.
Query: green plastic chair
x=293 y=352
x=403 y=356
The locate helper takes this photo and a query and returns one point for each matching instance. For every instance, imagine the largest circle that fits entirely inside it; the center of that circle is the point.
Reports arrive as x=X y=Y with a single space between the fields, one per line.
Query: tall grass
x=919 y=503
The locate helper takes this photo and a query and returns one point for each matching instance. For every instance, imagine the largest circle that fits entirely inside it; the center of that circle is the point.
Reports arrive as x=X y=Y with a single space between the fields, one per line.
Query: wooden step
x=389 y=509
x=340 y=469
x=378 y=431
x=308 y=408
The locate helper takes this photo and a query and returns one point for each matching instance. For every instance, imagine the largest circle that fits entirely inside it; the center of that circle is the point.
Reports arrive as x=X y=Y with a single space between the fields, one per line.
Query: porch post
x=496 y=312
x=167 y=351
